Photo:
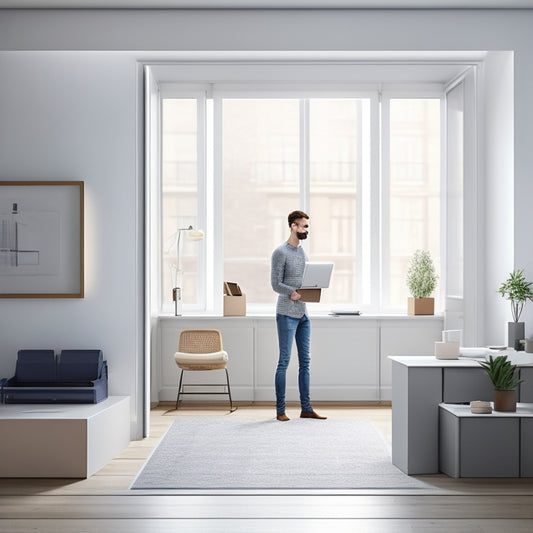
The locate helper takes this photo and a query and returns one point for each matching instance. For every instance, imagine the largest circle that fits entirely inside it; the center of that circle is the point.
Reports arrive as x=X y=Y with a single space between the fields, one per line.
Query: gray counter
x=420 y=384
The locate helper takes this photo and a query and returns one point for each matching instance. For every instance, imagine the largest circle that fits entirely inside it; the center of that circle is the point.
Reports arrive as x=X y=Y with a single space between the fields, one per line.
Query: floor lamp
x=177 y=296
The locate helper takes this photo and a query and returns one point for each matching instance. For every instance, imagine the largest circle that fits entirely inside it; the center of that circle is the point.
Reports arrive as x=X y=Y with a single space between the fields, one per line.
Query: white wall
x=73 y=116
x=497 y=191
x=523 y=169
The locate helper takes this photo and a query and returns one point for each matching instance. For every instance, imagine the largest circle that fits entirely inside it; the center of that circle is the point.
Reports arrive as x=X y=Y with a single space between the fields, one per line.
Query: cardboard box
x=310 y=295
x=234 y=300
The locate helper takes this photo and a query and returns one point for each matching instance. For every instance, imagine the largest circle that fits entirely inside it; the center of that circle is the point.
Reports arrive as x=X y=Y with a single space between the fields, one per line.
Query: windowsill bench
x=62 y=440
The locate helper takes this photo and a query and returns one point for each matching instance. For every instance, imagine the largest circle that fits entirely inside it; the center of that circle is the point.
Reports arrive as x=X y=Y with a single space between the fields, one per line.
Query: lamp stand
x=177 y=295
x=178 y=302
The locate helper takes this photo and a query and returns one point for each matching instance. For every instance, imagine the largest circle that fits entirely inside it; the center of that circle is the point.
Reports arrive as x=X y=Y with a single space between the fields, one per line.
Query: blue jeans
x=290 y=329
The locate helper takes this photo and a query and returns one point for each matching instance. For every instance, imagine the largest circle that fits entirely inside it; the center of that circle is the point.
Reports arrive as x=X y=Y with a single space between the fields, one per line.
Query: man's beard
x=302 y=235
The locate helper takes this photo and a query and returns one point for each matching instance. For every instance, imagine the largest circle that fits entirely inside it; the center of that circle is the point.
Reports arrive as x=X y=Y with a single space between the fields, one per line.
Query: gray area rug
x=231 y=453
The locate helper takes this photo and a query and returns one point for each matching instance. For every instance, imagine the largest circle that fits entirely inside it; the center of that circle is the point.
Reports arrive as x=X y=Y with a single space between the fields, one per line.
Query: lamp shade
x=196 y=234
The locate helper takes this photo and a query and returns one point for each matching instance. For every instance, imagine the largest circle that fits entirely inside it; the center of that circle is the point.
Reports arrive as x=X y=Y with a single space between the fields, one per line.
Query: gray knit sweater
x=287 y=270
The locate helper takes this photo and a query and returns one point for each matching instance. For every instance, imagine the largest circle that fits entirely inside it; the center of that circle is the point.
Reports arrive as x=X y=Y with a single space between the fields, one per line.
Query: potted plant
x=421 y=281
x=503 y=375
x=518 y=290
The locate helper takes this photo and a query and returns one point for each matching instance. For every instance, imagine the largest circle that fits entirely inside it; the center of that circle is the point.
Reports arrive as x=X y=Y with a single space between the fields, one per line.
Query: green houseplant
x=421 y=282
x=517 y=290
x=504 y=377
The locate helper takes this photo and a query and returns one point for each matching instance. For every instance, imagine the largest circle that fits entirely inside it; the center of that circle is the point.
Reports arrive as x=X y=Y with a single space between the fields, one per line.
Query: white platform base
x=62 y=440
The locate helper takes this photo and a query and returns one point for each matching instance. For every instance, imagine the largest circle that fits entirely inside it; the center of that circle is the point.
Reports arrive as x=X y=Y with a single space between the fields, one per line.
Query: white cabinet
x=348 y=355
x=344 y=361
x=266 y=359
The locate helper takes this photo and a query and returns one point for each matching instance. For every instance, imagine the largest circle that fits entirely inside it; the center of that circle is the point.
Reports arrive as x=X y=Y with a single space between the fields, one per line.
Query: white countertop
x=517 y=358
x=312 y=315
x=522 y=410
x=56 y=411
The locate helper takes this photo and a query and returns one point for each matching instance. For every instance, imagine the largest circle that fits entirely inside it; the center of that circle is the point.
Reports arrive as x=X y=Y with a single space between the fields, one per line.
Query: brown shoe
x=282 y=418
x=312 y=414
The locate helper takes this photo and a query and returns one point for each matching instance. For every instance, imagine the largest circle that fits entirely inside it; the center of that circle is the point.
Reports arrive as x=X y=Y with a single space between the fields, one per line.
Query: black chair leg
x=231 y=409
x=179 y=390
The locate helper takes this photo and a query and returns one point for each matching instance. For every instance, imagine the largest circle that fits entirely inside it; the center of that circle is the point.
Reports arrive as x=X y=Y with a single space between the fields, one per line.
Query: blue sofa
x=73 y=376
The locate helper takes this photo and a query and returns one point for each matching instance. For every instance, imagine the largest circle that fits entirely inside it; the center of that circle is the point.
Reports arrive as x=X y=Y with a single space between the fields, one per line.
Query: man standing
x=288 y=262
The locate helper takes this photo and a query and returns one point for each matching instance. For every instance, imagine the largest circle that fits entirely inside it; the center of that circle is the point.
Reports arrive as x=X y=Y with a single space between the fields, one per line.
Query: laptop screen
x=316 y=275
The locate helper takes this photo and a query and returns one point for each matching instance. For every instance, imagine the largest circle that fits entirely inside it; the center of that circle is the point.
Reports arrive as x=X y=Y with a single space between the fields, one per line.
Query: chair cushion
x=36 y=366
x=201 y=361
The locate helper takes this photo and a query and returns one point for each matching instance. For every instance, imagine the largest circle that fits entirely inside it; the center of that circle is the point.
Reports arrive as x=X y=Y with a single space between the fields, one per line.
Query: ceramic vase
x=505 y=400
x=515 y=333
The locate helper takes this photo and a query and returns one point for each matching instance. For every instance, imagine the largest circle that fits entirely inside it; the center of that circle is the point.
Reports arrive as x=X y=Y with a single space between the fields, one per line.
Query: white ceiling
x=266 y=4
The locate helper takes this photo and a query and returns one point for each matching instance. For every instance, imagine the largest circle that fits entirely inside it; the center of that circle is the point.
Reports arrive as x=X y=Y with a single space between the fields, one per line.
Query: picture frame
x=41 y=239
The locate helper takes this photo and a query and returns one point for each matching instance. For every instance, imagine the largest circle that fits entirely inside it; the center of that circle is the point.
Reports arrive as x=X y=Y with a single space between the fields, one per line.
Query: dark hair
x=295 y=215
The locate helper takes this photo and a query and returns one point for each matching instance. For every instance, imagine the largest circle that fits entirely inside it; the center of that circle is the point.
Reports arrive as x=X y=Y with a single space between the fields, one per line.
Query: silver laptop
x=316 y=275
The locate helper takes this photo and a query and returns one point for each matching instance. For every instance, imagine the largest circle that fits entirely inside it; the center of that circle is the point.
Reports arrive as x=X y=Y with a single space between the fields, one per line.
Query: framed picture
x=41 y=239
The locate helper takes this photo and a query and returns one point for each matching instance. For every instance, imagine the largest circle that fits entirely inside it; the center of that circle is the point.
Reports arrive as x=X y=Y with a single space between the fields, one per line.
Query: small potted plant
x=503 y=375
x=421 y=281
x=518 y=290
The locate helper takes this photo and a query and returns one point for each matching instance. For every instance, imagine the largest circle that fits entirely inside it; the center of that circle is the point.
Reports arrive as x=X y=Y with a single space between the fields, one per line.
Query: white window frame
x=372 y=240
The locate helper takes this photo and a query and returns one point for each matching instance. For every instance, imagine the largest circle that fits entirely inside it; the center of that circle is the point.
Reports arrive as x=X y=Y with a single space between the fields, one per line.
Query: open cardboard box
x=234 y=300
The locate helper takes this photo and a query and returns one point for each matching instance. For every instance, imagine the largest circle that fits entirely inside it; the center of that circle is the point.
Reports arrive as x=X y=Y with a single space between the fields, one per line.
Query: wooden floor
x=104 y=502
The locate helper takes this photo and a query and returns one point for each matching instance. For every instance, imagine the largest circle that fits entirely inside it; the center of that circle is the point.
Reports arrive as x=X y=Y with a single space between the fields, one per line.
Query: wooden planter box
x=420 y=306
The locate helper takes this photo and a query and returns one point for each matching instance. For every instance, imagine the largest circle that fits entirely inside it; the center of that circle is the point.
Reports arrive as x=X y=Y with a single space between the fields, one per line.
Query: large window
x=366 y=167
x=414 y=183
x=180 y=189
x=286 y=154
x=261 y=183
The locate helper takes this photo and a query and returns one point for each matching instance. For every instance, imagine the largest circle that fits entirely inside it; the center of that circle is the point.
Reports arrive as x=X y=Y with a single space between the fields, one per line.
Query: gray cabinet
x=525 y=390
x=415 y=397
x=419 y=385
x=462 y=385
x=491 y=445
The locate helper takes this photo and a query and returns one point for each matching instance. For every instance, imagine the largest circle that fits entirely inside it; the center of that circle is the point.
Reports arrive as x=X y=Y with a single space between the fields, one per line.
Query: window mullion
x=218 y=206
x=206 y=207
x=305 y=198
x=368 y=203
x=381 y=285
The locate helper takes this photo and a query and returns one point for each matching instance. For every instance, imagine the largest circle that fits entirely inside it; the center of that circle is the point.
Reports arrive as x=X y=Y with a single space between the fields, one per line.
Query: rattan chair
x=201 y=349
